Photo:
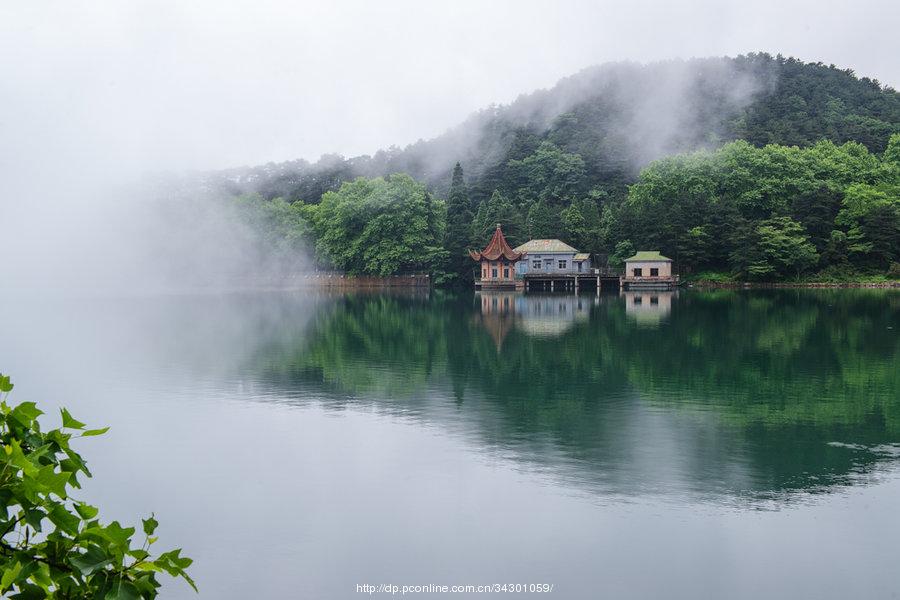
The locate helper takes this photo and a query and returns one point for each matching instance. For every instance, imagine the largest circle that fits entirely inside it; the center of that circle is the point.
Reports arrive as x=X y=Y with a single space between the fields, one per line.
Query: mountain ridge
x=617 y=117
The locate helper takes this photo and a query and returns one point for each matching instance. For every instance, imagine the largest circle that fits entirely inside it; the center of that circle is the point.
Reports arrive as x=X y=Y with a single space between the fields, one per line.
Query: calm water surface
x=698 y=445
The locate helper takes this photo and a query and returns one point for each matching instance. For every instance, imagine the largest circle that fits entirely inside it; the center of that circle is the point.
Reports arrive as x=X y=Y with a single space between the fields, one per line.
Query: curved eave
x=512 y=256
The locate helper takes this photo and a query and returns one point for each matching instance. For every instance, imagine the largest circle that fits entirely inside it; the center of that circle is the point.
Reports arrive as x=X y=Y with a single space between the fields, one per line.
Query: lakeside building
x=648 y=270
x=537 y=265
x=553 y=265
x=498 y=264
x=552 y=257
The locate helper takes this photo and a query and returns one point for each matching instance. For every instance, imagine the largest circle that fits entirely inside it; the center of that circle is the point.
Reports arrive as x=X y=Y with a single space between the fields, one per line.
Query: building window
x=484 y=273
x=638 y=272
x=654 y=300
x=579 y=266
x=654 y=272
x=562 y=264
x=638 y=300
x=494 y=273
x=536 y=265
x=506 y=273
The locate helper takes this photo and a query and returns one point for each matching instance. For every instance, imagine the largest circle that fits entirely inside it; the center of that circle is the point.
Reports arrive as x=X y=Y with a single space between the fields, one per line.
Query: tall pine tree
x=459 y=223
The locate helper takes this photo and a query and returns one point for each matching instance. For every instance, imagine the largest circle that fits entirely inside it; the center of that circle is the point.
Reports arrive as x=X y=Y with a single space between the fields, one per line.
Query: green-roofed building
x=648 y=269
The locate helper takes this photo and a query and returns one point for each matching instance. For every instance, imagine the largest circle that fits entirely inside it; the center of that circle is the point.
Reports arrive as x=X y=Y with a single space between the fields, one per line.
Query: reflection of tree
x=827 y=358
x=763 y=383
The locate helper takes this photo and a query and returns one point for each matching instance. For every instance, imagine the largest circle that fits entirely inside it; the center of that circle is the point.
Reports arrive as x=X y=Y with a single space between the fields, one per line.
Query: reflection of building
x=552 y=315
x=648 y=270
x=535 y=315
x=498 y=264
x=648 y=307
x=498 y=311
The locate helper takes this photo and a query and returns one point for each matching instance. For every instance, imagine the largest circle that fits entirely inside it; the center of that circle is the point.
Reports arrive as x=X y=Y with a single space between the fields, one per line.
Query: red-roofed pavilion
x=498 y=262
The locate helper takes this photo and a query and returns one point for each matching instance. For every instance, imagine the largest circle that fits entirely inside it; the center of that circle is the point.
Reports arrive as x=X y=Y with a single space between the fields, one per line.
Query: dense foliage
x=53 y=546
x=767 y=213
x=380 y=226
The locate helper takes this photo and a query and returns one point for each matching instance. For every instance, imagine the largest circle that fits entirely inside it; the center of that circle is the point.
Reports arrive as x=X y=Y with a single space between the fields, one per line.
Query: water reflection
x=728 y=395
x=536 y=315
x=648 y=308
x=742 y=395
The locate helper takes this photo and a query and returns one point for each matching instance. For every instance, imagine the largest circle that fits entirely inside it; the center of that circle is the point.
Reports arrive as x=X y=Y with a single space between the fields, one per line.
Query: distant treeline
x=768 y=213
x=619 y=157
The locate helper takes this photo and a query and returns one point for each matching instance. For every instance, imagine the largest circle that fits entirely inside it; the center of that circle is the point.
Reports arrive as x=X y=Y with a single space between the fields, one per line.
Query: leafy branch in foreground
x=52 y=546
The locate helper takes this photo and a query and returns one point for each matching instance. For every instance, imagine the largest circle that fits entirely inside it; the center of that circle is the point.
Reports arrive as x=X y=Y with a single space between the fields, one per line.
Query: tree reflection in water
x=727 y=394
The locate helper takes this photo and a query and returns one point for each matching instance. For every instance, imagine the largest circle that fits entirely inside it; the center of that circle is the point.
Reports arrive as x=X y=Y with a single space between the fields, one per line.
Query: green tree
x=581 y=224
x=623 y=250
x=779 y=247
x=870 y=214
x=280 y=228
x=543 y=221
x=549 y=174
x=52 y=545
x=459 y=224
x=707 y=209
x=376 y=227
x=498 y=209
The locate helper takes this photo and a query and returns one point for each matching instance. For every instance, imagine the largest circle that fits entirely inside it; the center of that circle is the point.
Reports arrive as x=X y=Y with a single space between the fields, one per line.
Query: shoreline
x=798 y=285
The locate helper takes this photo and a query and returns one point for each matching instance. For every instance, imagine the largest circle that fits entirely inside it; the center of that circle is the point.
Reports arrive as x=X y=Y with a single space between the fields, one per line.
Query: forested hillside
x=578 y=162
x=616 y=117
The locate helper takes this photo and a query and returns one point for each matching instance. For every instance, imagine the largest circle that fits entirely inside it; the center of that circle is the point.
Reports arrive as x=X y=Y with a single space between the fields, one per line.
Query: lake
x=697 y=444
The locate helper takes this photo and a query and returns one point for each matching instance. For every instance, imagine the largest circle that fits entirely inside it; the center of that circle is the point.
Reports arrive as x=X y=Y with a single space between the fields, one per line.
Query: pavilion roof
x=496 y=248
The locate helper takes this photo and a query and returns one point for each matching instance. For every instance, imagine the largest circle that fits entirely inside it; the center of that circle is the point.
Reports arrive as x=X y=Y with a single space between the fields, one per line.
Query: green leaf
x=123 y=590
x=139 y=554
x=150 y=525
x=92 y=432
x=9 y=575
x=5 y=384
x=65 y=520
x=54 y=482
x=33 y=517
x=91 y=561
x=26 y=413
x=86 y=511
x=69 y=421
x=114 y=534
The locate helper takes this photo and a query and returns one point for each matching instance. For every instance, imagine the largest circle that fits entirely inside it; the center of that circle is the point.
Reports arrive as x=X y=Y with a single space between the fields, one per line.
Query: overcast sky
x=214 y=83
